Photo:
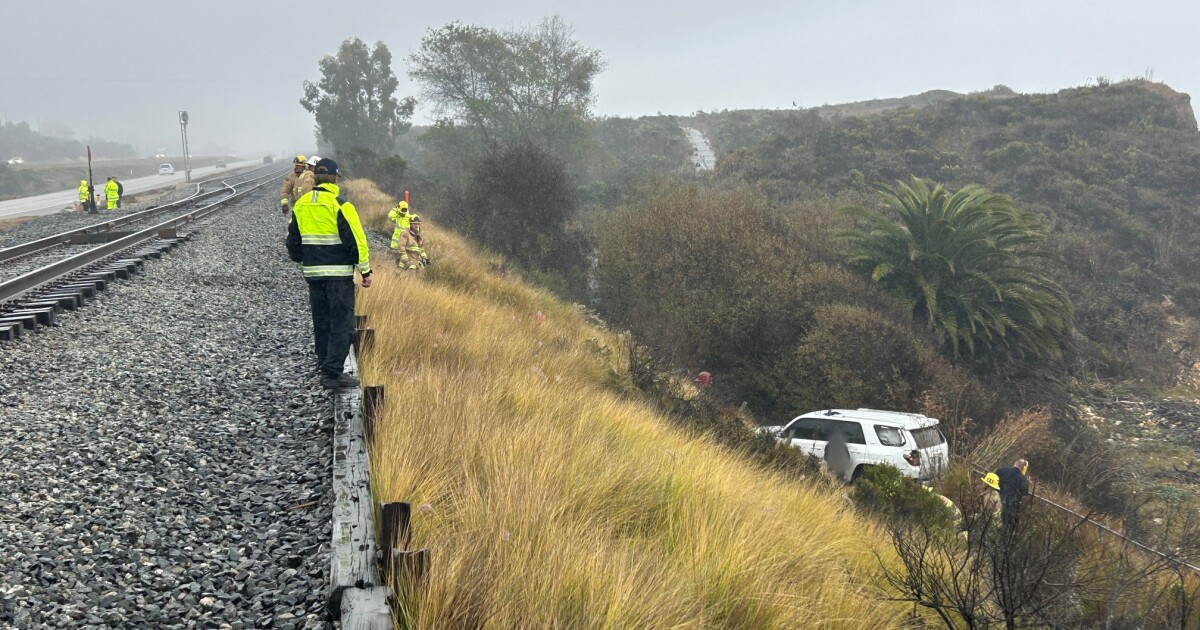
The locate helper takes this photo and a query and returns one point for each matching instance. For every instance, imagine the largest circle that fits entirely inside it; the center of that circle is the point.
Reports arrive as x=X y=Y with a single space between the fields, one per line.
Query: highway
x=50 y=203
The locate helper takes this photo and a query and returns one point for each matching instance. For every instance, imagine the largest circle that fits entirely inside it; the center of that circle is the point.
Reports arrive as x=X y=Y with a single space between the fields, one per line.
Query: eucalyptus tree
x=528 y=85
x=355 y=102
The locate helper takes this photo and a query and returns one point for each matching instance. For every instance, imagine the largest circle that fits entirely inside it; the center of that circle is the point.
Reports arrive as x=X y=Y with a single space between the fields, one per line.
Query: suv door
x=856 y=442
x=804 y=434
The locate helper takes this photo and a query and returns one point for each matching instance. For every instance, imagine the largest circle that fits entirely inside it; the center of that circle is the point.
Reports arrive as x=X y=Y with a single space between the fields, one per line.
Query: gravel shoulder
x=164 y=454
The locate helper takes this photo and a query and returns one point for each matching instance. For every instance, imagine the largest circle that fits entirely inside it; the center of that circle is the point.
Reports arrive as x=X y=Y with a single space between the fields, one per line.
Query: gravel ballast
x=164 y=453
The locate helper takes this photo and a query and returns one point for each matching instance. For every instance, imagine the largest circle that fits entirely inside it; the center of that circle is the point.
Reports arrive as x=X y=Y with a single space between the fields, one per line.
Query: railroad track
x=43 y=277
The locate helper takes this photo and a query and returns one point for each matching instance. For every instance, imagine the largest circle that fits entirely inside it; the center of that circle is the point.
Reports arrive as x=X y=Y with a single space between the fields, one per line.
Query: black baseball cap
x=326 y=167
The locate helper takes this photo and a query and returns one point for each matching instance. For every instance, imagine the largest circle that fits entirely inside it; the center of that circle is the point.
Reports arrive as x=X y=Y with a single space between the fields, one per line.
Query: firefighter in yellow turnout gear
x=287 y=191
x=412 y=256
x=400 y=218
x=307 y=180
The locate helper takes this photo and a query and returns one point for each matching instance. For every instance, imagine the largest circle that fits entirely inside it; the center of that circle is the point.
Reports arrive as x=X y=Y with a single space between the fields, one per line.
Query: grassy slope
x=556 y=499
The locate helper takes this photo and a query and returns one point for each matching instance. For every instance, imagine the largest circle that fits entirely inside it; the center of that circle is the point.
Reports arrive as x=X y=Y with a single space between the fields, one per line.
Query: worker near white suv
x=911 y=442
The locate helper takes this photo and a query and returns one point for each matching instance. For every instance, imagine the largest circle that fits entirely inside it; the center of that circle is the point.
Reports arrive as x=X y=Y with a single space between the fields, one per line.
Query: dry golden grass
x=371 y=203
x=10 y=224
x=554 y=499
x=1015 y=436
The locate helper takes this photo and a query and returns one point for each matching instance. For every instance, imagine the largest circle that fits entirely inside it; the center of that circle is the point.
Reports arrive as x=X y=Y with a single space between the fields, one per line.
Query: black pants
x=1010 y=507
x=332 y=302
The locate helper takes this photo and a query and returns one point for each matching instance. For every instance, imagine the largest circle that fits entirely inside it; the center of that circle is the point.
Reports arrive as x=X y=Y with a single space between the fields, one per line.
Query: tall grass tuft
x=553 y=498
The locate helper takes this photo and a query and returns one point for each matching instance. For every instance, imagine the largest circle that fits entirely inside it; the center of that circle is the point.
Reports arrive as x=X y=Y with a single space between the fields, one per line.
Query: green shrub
x=888 y=493
x=857 y=357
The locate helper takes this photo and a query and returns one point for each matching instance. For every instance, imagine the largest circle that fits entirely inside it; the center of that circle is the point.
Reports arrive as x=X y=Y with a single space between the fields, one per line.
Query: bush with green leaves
x=389 y=172
x=521 y=204
x=853 y=357
x=885 y=491
x=710 y=279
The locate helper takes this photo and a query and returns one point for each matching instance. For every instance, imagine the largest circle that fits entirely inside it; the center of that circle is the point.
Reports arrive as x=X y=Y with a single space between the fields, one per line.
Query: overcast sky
x=121 y=70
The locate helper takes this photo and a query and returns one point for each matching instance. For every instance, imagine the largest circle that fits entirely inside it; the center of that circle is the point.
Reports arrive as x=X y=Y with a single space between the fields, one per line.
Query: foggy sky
x=120 y=70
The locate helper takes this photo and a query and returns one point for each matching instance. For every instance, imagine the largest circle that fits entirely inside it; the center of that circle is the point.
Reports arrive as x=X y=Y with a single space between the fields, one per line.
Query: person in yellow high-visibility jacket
x=326 y=237
x=112 y=194
x=400 y=218
x=85 y=194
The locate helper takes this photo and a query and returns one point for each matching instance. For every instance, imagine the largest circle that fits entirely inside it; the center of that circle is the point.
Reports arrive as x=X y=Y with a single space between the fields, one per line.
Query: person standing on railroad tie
x=326 y=238
x=112 y=193
x=287 y=192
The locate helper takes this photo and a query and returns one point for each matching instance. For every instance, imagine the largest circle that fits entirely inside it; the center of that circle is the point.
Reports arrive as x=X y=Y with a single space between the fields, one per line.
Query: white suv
x=909 y=441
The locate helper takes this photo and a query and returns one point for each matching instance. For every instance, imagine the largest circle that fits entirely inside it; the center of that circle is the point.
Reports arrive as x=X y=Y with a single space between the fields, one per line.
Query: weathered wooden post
x=363 y=338
x=357 y=596
x=404 y=569
x=372 y=407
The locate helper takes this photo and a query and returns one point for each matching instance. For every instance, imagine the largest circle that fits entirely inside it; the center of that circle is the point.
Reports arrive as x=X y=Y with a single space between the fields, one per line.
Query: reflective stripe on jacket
x=326 y=237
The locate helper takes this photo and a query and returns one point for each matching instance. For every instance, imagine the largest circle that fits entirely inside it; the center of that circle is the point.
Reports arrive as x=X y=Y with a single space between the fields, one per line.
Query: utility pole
x=183 y=121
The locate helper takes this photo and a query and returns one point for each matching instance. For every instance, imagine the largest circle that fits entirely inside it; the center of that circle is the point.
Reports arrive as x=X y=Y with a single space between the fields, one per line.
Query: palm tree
x=967 y=264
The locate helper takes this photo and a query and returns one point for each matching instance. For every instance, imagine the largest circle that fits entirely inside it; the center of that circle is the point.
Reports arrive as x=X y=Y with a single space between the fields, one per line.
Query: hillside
x=553 y=497
x=878 y=105
x=1114 y=169
x=740 y=273
x=18 y=140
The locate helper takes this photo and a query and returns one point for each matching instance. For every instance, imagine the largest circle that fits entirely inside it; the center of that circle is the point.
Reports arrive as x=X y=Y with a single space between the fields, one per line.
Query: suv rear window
x=927 y=437
x=889 y=436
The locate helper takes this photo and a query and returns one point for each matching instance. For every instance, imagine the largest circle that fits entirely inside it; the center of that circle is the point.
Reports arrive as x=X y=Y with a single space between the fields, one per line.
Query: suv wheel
x=858 y=471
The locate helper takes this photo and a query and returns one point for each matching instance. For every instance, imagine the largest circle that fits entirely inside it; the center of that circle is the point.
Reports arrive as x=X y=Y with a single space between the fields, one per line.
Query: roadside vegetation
x=554 y=498
x=1012 y=264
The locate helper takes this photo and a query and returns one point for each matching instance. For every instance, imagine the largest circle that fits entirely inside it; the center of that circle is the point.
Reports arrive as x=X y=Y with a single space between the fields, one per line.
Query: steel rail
x=23 y=284
x=16 y=251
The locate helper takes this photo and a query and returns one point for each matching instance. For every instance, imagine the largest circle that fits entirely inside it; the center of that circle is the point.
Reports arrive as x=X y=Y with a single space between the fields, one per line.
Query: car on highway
x=911 y=442
x=268 y=159
x=16 y=160
x=220 y=163
x=166 y=169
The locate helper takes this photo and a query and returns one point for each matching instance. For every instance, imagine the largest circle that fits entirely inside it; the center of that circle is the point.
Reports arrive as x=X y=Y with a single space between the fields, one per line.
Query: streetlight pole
x=183 y=121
